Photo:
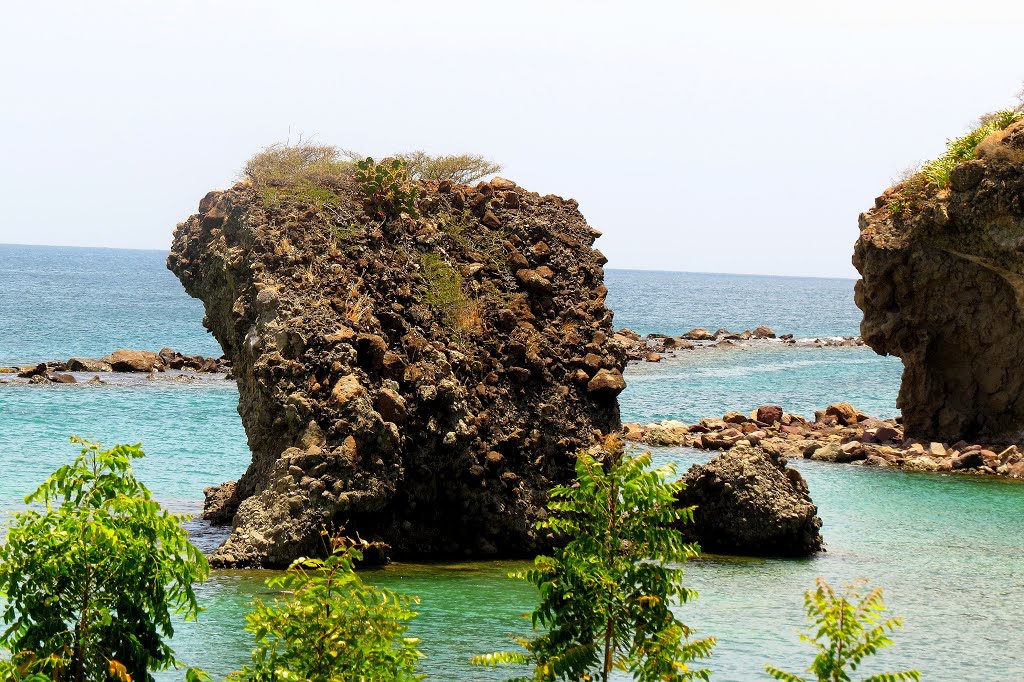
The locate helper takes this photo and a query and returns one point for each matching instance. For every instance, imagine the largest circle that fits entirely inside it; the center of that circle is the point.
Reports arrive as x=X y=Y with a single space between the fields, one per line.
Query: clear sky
x=726 y=136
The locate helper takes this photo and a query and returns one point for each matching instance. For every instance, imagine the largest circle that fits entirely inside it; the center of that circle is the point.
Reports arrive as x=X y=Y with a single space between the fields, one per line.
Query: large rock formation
x=421 y=381
x=750 y=503
x=943 y=289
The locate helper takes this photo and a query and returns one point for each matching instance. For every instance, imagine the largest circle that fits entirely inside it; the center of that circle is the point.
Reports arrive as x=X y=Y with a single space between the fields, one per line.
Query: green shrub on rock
x=964 y=148
x=388 y=187
x=606 y=597
x=92 y=575
x=845 y=629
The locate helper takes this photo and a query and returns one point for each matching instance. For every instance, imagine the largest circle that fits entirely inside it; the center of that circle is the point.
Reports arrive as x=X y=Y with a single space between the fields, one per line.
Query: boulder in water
x=750 y=503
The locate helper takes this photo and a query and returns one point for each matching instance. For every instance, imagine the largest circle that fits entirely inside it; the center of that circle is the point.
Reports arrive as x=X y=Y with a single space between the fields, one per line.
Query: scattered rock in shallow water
x=750 y=503
x=88 y=365
x=133 y=361
x=845 y=413
x=699 y=334
x=769 y=414
x=35 y=371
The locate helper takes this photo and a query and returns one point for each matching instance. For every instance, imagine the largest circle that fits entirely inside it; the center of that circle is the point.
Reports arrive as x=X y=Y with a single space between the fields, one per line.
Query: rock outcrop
x=750 y=503
x=943 y=288
x=419 y=381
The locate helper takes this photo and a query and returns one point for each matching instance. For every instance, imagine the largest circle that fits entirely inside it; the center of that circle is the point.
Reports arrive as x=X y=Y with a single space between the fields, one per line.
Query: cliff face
x=943 y=289
x=417 y=381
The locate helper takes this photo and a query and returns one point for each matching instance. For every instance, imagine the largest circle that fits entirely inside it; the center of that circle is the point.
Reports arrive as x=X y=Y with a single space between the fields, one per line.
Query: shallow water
x=947 y=549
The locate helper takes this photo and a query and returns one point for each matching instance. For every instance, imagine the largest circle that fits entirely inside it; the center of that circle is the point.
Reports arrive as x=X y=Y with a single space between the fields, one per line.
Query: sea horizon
x=616 y=269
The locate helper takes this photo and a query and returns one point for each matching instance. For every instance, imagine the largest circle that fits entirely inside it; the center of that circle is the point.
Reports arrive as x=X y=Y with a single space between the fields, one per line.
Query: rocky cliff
x=943 y=288
x=418 y=380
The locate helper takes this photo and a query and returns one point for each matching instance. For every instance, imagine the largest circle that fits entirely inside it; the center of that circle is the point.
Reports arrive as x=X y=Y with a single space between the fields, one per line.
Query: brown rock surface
x=435 y=426
x=132 y=361
x=943 y=288
x=751 y=503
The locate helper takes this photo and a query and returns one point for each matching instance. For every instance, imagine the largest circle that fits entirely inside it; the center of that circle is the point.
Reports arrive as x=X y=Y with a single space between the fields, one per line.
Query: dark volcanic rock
x=943 y=288
x=749 y=503
x=374 y=404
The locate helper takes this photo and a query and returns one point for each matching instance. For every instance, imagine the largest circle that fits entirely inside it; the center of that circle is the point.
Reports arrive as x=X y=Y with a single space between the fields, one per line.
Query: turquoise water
x=948 y=550
x=60 y=303
x=675 y=302
x=712 y=381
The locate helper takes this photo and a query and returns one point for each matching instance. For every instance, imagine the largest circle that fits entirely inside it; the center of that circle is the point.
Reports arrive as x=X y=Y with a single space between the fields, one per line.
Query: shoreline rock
x=841 y=434
x=749 y=503
x=121 y=361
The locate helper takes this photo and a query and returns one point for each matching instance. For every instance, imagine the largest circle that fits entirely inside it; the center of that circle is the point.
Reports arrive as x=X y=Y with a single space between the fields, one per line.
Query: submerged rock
x=750 y=503
x=416 y=381
x=943 y=288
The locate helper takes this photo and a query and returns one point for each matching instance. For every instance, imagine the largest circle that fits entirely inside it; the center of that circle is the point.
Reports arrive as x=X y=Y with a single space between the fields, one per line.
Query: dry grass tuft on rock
x=460 y=169
x=302 y=163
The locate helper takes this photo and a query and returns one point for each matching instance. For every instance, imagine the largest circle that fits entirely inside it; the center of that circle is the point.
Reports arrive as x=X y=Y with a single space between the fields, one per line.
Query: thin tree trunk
x=609 y=631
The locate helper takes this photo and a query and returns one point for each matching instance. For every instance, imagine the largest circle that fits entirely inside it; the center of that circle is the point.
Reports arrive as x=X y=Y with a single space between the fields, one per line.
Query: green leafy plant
x=92 y=577
x=898 y=207
x=964 y=148
x=606 y=597
x=845 y=629
x=443 y=290
x=329 y=626
x=388 y=187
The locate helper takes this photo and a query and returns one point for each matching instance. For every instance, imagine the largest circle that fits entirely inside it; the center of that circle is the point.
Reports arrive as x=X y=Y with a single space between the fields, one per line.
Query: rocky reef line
x=654 y=346
x=840 y=433
x=122 y=360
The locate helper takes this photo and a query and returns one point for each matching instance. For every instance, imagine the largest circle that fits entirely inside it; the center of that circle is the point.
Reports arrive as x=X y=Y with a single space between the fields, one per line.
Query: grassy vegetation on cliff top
x=305 y=163
x=965 y=148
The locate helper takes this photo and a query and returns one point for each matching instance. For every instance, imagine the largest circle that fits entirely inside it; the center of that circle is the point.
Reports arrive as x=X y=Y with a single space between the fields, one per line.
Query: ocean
x=947 y=550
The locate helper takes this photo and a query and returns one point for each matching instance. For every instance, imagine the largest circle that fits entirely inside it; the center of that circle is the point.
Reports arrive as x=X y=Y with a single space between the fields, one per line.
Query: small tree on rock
x=461 y=169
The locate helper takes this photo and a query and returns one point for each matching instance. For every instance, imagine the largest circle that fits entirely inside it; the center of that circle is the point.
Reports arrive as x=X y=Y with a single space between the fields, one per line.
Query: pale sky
x=709 y=137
